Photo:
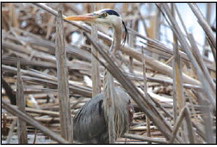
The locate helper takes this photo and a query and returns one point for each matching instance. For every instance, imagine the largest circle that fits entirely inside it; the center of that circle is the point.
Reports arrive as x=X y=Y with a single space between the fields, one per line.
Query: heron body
x=89 y=129
x=92 y=124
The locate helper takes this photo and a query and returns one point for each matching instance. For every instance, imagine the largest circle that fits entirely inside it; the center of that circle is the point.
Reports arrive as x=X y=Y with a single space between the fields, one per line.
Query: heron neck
x=116 y=37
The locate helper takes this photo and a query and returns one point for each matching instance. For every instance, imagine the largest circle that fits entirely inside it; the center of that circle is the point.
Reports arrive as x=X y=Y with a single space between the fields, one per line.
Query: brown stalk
x=21 y=125
x=25 y=117
x=63 y=88
x=95 y=64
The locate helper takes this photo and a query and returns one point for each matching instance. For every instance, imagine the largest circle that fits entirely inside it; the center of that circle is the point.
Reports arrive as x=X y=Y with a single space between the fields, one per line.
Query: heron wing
x=89 y=122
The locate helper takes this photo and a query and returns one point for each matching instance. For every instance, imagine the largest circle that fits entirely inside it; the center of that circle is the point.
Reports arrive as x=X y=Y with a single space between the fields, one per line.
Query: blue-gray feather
x=90 y=125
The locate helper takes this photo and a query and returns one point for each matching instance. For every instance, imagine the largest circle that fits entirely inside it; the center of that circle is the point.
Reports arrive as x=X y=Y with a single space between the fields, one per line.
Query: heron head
x=104 y=16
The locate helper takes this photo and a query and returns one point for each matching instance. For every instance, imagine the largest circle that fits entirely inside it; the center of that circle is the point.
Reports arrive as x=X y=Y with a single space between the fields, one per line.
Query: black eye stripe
x=111 y=12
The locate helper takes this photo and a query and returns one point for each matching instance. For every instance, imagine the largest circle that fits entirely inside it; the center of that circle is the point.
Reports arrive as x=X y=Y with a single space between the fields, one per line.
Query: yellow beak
x=88 y=17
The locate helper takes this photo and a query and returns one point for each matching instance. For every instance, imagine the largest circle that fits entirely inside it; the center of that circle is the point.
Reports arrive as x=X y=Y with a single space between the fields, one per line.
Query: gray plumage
x=90 y=125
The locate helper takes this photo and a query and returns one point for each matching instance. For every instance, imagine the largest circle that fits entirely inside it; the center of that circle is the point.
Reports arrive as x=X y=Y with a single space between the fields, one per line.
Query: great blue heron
x=91 y=122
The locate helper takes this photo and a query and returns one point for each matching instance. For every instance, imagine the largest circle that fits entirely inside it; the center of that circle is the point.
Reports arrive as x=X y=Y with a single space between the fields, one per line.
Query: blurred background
x=28 y=34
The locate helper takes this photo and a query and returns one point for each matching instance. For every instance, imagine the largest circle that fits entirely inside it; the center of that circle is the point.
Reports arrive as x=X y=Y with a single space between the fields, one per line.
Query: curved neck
x=117 y=34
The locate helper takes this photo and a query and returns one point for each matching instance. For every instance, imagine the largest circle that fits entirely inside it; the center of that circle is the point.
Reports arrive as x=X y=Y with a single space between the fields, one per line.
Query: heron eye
x=104 y=15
